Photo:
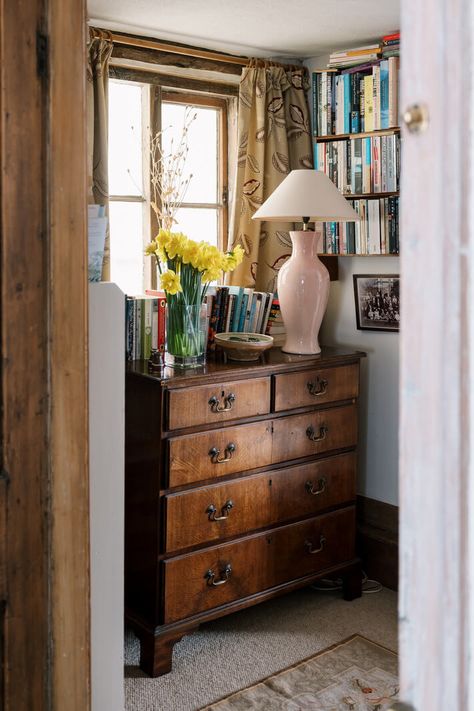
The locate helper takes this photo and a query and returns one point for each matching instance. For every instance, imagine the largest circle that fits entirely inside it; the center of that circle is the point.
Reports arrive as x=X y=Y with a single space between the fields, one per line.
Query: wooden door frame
x=437 y=359
x=44 y=505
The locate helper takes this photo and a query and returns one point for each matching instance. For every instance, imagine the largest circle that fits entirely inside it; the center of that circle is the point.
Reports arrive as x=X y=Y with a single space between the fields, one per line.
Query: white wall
x=378 y=453
x=106 y=474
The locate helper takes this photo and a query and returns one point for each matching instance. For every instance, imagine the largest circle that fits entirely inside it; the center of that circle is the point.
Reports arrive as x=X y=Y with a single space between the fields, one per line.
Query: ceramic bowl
x=243 y=346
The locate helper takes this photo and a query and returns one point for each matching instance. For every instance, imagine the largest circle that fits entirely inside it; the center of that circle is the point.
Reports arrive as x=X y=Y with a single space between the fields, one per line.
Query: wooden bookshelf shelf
x=342 y=136
x=361 y=196
x=324 y=254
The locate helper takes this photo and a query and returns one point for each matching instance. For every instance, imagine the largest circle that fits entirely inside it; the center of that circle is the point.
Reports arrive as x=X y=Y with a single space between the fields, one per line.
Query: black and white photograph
x=377 y=302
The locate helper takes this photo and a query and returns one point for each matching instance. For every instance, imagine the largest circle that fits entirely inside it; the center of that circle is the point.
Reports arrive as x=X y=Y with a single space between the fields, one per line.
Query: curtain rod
x=129 y=41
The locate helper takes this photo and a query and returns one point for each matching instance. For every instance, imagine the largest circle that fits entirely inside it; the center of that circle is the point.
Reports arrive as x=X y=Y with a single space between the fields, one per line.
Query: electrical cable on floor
x=368 y=586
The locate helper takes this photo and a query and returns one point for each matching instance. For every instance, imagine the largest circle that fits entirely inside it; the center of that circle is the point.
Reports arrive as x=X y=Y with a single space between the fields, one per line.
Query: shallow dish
x=243 y=346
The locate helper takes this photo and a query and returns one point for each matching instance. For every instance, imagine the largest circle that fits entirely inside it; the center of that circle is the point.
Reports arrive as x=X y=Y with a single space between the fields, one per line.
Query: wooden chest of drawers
x=240 y=485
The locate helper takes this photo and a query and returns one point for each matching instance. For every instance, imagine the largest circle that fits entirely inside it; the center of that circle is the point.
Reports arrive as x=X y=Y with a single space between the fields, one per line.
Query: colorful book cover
x=369 y=103
x=384 y=94
x=347 y=103
x=393 y=91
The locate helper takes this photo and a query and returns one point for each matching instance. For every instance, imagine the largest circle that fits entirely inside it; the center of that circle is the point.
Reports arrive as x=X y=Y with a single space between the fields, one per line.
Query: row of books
x=361 y=165
x=235 y=308
x=144 y=325
x=360 y=99
x=391 y=45
x=375 y=233
x=387 y=46
x=229 y=308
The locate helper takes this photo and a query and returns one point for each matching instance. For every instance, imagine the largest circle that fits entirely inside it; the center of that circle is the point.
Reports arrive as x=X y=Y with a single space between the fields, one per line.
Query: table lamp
x=303 y=281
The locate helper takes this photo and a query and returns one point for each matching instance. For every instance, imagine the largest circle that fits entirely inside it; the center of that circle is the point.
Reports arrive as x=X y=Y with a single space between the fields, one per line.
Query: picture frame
x=377 y=302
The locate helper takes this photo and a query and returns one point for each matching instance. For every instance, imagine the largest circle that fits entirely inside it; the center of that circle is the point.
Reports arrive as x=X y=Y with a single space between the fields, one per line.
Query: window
x=203 y=213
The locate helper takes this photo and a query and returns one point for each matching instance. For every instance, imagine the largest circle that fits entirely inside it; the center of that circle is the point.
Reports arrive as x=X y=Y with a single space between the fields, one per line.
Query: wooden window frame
x=183 y=91
x=214 y=102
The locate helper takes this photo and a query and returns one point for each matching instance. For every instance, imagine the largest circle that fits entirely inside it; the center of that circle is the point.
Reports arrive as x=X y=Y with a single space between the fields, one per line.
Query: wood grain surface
x=191 y=407
x=258 y=501
x=258 y=562
x=316 y=387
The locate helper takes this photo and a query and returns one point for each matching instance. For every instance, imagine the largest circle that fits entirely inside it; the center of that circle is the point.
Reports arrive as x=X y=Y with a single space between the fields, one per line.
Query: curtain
x=100 y=49
x=274 y=137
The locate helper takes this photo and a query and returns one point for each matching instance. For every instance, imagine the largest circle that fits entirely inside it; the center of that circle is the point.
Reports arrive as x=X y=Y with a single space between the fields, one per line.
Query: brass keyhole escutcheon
x=416 y=118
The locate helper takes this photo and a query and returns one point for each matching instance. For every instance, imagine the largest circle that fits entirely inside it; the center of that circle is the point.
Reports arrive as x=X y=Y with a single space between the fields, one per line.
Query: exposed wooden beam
x=172 y=82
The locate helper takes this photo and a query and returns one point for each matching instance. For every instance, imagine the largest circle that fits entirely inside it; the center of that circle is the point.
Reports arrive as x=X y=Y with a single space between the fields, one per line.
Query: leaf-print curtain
x=100 y=49
x=274 y=137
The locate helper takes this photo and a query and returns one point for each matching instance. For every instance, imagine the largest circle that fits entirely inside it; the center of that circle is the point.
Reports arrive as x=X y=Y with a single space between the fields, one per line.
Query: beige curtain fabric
x=274 y=137
x=100 y=49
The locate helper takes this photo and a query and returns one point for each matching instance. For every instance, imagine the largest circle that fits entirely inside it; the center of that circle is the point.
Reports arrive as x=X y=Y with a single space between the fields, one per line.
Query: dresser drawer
x=314 y=432
x=232 y=508
x=200 y=581
x=217 y=453
x=314 y=387
x=210 y=404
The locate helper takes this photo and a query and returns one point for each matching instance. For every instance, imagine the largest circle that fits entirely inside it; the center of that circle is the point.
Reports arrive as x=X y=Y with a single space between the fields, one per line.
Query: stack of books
x=361 y=165
x=391 y=45
x=376 y=233
x=360 y=99
x=235 y=308
x=350 y=57
x=144 y=325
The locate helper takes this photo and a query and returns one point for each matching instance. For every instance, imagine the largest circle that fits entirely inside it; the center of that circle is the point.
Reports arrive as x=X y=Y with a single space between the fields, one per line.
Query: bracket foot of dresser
x=156 y=651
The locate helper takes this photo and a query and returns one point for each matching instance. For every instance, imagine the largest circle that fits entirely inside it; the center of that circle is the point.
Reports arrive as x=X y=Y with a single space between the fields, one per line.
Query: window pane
x=125 y=139
x=126 y=246
x=202 y=158
x=199 y=224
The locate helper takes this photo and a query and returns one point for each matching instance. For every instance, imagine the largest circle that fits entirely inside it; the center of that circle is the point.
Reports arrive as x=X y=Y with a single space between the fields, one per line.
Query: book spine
x=268 y=304
x=362 y=104
x=358 y=165
x=314 y=87
x=366 y=153
x=328 y=105
x=154 y=324
x=384 y=94
x=130 y=325
x=384 y=164
x=355 y=103
x=347 y=103
x=369 y=103
x=243 y=310
x=161 y=324
x=376 y=97
x=138 y=330
x=324 y=112
x=393 y=91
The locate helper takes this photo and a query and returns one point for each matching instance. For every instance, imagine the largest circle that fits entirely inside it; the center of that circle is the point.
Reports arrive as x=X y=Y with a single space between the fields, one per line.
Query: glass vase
x=186 y=334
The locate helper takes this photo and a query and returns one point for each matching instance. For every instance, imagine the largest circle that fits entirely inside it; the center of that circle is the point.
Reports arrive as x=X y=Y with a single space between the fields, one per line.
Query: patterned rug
x=354 y=675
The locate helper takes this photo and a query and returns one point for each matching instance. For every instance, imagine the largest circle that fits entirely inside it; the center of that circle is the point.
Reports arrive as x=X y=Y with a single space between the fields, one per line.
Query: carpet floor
x=238 y=650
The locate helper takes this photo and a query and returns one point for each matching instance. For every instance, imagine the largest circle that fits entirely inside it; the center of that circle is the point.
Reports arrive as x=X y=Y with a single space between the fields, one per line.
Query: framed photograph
x=377 y=301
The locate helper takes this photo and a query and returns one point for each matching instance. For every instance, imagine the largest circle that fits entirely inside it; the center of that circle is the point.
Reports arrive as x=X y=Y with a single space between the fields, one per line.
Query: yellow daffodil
x=233 y=258
x=170 y=282
x=151 y=248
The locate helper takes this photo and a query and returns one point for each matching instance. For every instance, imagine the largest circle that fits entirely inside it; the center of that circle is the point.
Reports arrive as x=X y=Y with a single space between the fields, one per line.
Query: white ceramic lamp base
x=303 y=291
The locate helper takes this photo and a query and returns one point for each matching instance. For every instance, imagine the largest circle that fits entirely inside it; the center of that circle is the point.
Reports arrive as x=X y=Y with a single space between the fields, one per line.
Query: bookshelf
x=357 y=144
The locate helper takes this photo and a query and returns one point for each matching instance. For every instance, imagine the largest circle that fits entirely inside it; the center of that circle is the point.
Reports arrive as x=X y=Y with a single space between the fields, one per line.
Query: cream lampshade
x=303 y=281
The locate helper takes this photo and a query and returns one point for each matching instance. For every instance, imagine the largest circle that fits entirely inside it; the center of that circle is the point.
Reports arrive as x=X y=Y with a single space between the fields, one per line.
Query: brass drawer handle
x=212 y=510
x=228 y=452
x=214 y=403
x=310 y=433
x=321 y=484
x=225 y=575
x=309 y=545
x=318 y=386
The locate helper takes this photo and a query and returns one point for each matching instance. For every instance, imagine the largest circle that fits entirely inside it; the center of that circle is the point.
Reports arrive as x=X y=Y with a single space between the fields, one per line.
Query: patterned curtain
x=100 y=49
x=274 y=137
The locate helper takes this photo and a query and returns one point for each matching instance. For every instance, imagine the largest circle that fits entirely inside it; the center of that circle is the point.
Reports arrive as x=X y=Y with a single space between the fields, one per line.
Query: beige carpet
x=355 y=674
x=237 y=651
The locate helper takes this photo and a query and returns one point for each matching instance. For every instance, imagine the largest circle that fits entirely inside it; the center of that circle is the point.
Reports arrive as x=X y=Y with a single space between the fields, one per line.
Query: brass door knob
x=416 y=118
